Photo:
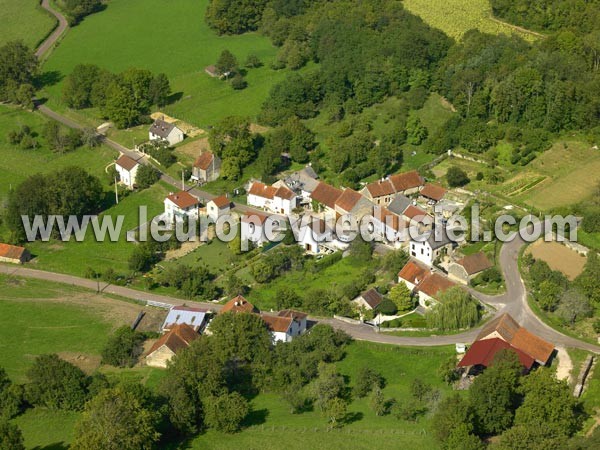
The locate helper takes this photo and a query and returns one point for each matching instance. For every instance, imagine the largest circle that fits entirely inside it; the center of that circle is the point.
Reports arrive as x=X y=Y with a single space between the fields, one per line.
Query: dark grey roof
x=161 y=128
x=372 y=297
x=305 y=179
x=439 y=238
x=309 y=172
x=399 y=204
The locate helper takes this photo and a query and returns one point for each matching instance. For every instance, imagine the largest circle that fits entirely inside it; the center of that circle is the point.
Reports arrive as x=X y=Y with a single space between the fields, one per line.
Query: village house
x=165 y=131
x=303 y=183
x=299 y=321
x=217 y=207
x=407 y=183
x=505 y=333
x=317 y=237
x=423 y=282
x=180 y=336
x=369 y=299
x=433 y=193
x=206 y=168
x=193 y=317
x=239 y=304
x=392 y=228
x=127 y=169
x=260 y=195
x=13 y=254
x=399 y=204
x=181 y=205
x=351 y=202
x=325 y=197
x=253 y=228
x=286 y=325
x=382 y=192
x=467 y=268
x=429 y=250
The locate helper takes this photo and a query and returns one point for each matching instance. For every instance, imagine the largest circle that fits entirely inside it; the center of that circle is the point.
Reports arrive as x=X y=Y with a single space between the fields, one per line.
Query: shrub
x=457 y=177
x=123 y=348
x=387 y=308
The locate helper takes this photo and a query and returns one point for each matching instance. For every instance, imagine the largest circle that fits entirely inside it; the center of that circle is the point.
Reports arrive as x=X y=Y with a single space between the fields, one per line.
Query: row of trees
x=123 y=98
x=76 y=10
x=18 y=69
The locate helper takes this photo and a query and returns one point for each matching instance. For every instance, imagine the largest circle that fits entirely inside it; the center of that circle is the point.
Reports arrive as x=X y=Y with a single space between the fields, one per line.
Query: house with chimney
x=382 y=192
x=206 y=168
x=424 y=282
x=179 y=337
x=165 y=131
x=181 y=205
x=277 y=199
x=127 y=169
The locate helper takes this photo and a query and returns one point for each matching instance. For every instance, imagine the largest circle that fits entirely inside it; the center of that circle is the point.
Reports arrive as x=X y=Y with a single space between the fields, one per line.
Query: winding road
x=513 y=301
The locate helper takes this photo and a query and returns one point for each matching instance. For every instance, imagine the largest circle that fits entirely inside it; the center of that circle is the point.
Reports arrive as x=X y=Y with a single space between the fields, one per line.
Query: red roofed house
x=433 y=192
x=428 y=285
x=206 y=168
x=164 y=349
x=260 y=195
x=346 y=202
x=218 y=207
x=13 y=254
x=391 y=227
x=181 y=205
x=326 y=195
x=465 y=269
x=482 y=353
x=383 y=192
x=127 y=169
x=239 y=304
x=284 y=201
x=407 y=183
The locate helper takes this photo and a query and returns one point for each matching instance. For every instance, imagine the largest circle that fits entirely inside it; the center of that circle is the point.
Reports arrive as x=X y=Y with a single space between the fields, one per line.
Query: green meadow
x=170 y=37
x=25 y=20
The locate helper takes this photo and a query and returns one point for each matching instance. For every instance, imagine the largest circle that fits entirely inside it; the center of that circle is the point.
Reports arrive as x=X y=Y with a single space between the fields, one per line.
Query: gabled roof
x=285 y=193
x=126 y=162
x=326 y=194
x=204 y=161
x=249 y=218
x=183 y=199
x=407 y=180
x=475 y=263
x=380 y=188
x=180 y=336
x=161 y=128
x=505 y=326
x=296 y=315
x=262 y=190
x=372 y=297
x=482 y=353
x=434 y=284
x=414 y=213
x=221 y=201
x=389 y=219
x=277 y=323
x=309 y=172
x=239 y=304
x=194 y=317
x=11 y=251
x=413 y=272
x=399 y=204
x=348 y=200
x=433 y=191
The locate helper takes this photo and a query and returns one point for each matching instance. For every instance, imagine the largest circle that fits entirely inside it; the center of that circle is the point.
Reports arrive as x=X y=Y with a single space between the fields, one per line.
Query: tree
x=335 y=411
x=419 y=389
x=123 y=348
x=456 y=309
x=11 y=397
x=116 y=419
x=78 y=86
x=589 y=280
x=402 y=297
x=447 y=370
x=234 y=17
x=159 y=90
x=573 y=306
x=227 y=63
x=461 y=438
x=417 y=132
x=366 y=380
x=252 y=61
x=387 y=308
x=56 y=384
x=146 y=176
x=328 y=386
x=226 y=412
x=456 y=177
x=18 y=66
x=238 y=82
x=11 y=437
x=494 y=394
x=234 y=286
x=24 y=96
x=378 y=402
x=121 y=106
x=549 y=294
x=287 y=298
x=453 y=412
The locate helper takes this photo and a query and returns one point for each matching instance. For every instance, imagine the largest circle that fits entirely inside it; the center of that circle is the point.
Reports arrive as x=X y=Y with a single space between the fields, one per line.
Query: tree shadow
x=174 y=97
x=55 y=446
x=353 y=417
x=255 y=417
x=48 y=78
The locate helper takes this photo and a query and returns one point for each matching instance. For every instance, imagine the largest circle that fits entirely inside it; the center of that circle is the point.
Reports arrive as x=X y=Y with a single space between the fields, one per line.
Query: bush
x=366 y=380
x=457 y=177
x=387 y=308
x=146 y=176
x=395 y=323
x=123 y=348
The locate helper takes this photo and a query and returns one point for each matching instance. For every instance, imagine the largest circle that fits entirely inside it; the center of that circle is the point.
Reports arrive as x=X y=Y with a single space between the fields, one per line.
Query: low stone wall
x=585 y=370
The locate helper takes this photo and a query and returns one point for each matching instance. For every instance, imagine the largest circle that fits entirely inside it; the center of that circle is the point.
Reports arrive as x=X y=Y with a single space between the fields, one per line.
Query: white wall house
x=260 y=195
x=252 y=228
x=286 y=325
x=427 y=251
x=218 y=207
x=161 y=130
x=127 y=169
x=284 y=201
x=181 y=205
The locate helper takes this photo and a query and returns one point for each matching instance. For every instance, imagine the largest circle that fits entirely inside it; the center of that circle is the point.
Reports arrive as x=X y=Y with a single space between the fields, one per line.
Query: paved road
x=56 y=34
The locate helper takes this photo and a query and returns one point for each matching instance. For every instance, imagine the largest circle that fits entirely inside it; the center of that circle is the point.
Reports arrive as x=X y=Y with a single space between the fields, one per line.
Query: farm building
x=13 y=254
x=383 y=192
x=127 y=169
x=465 y=269
x=426 y=283
x=180 y=336
x=193 y=317
x=432 y=192
x=165 y=131
x=206 y=168
x=326 y=195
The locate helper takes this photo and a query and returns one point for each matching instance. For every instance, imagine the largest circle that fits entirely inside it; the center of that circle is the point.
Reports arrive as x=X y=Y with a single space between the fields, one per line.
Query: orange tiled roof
x=262 y=190
x=126 y=162
x=348 y=200
x=180 y=336
x=414 y=212
x=238 y=304
x=434 y=284
x=277 y=323
x=407 y=180
x=477 y=262
x=413 y=272
x=433 y=191
x=11 y=251
x=222 y=201
x=183 y=199
x=204 y=161
x=326 y=194
x=284 y=193
x=381 y=188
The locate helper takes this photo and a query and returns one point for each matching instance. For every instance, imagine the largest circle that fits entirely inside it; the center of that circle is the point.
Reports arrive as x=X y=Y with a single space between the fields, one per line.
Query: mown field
x=172 y=38
x=25 y=20
x=456 y=17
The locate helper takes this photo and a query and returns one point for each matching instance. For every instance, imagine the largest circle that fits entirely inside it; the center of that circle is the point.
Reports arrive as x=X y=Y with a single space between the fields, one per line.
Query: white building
x=253 y=228
x=260 y=195
x=181 y=205
x=286 y=325
x=161 y=130
x=218 y=207
x=127 y=169
x=430 y=249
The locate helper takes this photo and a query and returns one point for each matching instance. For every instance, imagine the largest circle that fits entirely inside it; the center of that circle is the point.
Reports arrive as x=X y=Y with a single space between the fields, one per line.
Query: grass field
x=456 y=17
x=176 y=41
x=17 y=164
x=25 y=20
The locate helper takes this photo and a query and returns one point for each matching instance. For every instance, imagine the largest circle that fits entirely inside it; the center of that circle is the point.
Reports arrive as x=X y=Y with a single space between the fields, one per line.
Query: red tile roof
x=414 y=213
x=475 y=263
x=262 y=190
x=183 y=199
x=11 y=251
x=180 y=336
x=381 y=188
x=222 y=201
x=204 y=161
x=433 y=191
x=293 y=314
x=277 y=323
x=326 y=194
x=389 y=219
x=251 y=218
x=285 y=193
x=434 y=284
x=348 y=200
x=126 y=162
x=239 y=304
x=407 y=180
x=413 y=272
x=482 y=353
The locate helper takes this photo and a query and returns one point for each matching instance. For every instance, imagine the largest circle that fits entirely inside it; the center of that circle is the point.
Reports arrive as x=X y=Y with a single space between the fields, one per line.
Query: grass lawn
x=17 y=164
x=273 y=423
x=456 y=17
x=590 y=240
x=47 y=430
x=178 y=42
x=25 y=20
x=75 y=257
